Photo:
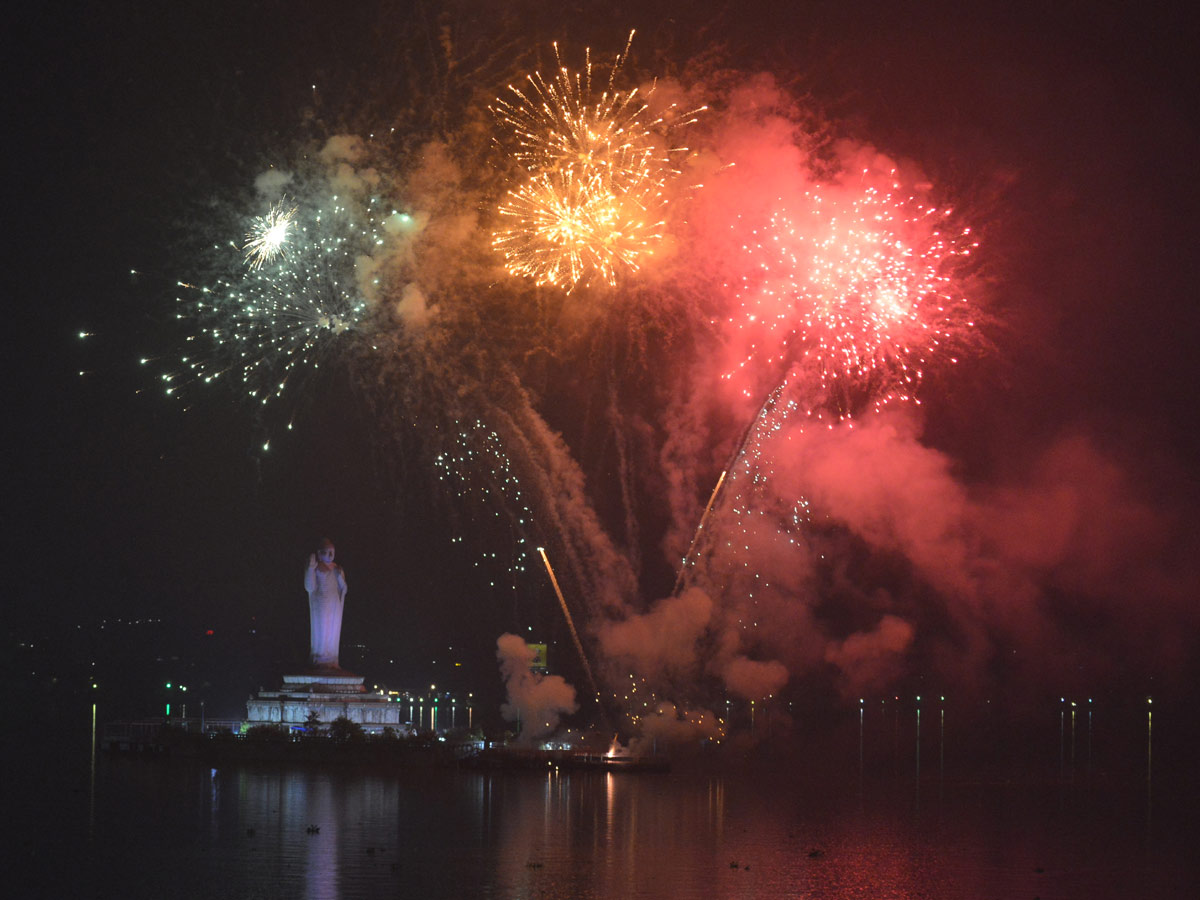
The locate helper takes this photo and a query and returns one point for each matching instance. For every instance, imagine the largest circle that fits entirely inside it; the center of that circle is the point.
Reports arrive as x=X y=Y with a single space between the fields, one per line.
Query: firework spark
x=859 y=290
x=565 y=122
x=268 y=235
x=851 y=298
x=566 y=226
x=595 y=201
x=265 y=327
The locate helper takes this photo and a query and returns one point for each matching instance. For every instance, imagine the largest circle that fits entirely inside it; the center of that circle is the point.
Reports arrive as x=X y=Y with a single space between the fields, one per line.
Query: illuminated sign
x=539 y=656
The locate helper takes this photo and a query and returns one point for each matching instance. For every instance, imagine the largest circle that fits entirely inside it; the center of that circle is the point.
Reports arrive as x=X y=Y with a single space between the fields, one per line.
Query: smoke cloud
x=663 y=642
x=844 y=552
x=536 y=702
x=870 y=660
x=853 y=556
x=272 y=182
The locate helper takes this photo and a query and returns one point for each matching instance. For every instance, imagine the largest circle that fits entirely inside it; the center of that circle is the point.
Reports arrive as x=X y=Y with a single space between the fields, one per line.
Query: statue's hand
x=312 y=562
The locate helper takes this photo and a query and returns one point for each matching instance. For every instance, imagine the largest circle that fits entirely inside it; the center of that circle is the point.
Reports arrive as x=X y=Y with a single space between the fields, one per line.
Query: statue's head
x=325 y=553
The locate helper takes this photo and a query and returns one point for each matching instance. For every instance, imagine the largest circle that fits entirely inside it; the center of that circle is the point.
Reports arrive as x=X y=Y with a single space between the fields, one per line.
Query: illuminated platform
x=329 y=692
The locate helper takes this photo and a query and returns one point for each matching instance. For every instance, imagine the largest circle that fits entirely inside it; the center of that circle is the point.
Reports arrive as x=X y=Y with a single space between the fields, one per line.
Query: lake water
x=153 y=828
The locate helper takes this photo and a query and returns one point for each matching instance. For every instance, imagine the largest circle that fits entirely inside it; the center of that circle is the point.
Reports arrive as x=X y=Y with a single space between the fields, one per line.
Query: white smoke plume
x=536 y=701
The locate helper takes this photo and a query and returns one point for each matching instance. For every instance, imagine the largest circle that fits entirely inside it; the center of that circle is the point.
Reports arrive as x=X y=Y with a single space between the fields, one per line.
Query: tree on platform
x=342 y=729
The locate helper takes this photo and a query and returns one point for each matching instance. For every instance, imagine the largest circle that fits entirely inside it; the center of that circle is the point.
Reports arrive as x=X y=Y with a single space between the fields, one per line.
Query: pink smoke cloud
x=1013 y=564
x=668 y=724
x=662 y=642
x=754 y=679
x=902 y=568
x=870 y=660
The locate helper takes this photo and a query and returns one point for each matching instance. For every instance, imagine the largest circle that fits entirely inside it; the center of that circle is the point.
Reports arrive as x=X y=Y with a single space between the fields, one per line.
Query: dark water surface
x=160 y=828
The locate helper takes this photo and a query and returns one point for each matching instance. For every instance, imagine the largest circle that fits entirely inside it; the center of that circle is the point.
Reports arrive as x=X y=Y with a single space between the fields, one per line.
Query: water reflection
x=1149 y=769
x=607 y=835
x=185 y=830
x=91 y=826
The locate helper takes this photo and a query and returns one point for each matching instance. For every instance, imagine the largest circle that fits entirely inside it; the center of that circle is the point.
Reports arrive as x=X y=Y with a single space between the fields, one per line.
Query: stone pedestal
x=328 y=691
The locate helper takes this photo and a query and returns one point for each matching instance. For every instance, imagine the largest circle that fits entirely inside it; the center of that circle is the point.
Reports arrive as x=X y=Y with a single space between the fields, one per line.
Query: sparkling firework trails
x=594 y=201
x=855 y=287
x=285 y=314
x=477 y=468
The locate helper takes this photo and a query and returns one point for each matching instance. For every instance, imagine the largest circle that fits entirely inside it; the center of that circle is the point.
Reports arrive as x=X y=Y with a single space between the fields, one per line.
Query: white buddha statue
x=326 y=585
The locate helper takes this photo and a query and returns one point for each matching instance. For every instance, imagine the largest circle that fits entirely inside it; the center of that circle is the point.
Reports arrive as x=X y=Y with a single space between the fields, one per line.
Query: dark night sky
x=1071 y=131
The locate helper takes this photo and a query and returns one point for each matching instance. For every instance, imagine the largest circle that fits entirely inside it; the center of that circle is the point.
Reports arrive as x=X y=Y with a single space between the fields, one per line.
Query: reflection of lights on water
x=1149 y=736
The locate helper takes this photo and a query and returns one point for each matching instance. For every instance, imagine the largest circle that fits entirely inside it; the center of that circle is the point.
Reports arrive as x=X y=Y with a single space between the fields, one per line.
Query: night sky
x=1066 y=138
